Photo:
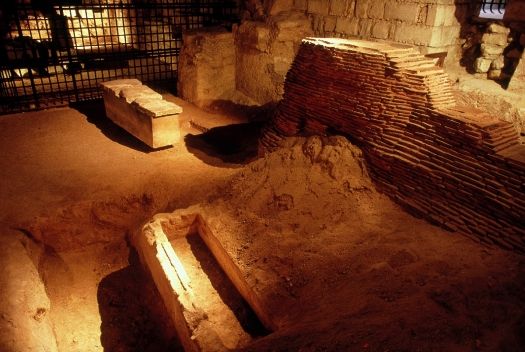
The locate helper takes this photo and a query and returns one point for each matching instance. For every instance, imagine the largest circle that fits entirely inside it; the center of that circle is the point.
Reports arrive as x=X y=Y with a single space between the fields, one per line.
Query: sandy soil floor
x=75 y=184
x=339 y=266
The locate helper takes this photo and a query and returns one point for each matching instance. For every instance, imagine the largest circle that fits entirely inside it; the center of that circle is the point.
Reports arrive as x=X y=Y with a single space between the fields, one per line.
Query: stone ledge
x=160 y=246
x=142 y=112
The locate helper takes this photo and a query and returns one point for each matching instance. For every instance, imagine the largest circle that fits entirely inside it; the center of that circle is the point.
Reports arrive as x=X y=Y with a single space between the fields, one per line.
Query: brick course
x=455 y=166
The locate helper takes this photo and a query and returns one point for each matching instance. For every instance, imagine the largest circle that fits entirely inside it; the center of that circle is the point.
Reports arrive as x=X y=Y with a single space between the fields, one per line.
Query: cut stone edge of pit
x=158 y=257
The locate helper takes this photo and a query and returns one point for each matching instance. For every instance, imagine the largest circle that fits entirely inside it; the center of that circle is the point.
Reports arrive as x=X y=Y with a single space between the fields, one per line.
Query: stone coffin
x=142 y=112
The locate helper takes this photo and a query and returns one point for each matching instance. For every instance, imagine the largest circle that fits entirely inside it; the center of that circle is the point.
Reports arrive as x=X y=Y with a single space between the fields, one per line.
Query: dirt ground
x=355 y=272
x=74 y=184
x=338 y=265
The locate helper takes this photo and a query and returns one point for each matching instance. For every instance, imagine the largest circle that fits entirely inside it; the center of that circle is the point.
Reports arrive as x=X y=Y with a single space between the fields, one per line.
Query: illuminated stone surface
x=24 y=314
x=142 y=112
x=206 y=66
x=456 y=166
x=187 y=264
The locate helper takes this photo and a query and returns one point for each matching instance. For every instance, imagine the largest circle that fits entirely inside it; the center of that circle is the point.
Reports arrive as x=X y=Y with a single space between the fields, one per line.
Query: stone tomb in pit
x=142 y=112
x=207 y=297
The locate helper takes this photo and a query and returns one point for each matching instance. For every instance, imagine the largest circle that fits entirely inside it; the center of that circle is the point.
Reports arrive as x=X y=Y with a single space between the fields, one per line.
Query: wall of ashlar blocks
x=431 y=25
x=453 y=165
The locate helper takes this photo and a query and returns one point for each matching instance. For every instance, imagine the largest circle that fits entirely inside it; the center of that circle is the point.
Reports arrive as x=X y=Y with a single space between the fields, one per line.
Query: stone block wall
x=247 y=66
x=206 y=66
x=431 y=25
x=264 y=52
x=494 y=50
x=453 y=165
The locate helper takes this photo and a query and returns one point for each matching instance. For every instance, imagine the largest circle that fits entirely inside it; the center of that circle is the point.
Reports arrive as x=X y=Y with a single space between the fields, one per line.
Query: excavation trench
x=103 y=299
x=207 y=299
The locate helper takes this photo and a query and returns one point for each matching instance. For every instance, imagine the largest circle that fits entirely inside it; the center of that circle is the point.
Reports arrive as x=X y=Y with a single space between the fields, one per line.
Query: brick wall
x=453 y=165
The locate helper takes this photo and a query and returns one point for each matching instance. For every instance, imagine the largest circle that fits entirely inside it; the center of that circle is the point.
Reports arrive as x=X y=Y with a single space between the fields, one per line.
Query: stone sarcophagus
x=142 y=112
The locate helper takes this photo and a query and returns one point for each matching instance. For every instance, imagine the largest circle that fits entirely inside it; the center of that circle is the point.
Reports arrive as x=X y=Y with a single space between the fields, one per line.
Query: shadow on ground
x=132 y=313
x=225 y=288
x=235 y=144
x=96 y=115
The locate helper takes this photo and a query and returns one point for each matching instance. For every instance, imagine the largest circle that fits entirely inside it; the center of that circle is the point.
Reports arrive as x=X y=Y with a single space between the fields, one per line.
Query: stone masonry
x=142 y=112
x=493 y=43
x=431 y=25
x=453 y=165
x=206 y=66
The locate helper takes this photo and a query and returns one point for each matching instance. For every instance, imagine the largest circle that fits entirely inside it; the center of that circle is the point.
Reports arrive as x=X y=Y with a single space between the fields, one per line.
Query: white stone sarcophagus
x=142 y=112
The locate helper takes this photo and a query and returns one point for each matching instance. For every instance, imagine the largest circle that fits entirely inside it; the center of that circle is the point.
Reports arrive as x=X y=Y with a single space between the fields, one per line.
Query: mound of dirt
x=339 y=266
x=312 y=183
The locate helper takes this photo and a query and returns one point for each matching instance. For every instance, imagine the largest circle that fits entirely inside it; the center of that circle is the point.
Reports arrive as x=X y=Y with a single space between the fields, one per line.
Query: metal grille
x=492 y=9
x=54 y=53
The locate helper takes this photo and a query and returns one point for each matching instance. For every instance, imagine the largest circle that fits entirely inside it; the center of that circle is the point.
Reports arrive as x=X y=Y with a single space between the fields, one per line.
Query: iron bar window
x=492 y=9
x=56 y=52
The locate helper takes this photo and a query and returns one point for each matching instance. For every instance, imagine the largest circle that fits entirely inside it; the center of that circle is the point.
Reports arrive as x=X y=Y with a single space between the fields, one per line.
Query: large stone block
x=495 y=39
x=348 y=26
x=406 y=12
x=142 y=112
x=494 y=74
x=260 y=75
x=491 y=50
x=290 y=27
x=254 y=76
x=361 y=8
x=413 y=34
x=253 y=35
x=482 y=65
x=377 y=9
x=435 y=15
x=365 y=27
x=329 y=23
x=442 y=15
x=341 y=7
x=448 y=35
x=498 y=63
x=381 y=29
x=207 y=64
x=498 y=28
x=319 y=7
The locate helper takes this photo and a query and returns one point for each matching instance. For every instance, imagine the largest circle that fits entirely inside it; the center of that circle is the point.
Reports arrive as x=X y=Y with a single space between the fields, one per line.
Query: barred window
x=494 y=9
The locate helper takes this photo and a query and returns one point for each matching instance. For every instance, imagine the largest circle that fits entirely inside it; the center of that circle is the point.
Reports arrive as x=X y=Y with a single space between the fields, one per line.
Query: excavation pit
x=206 y=297
x=96 y=296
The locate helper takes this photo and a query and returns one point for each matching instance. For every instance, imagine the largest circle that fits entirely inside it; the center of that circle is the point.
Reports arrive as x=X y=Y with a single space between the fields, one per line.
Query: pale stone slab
x=180 y=287
x=142 y=112
x=131 y=93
